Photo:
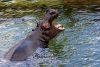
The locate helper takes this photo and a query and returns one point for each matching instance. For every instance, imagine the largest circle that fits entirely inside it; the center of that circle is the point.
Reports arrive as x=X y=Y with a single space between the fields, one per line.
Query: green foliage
x=52 y=4
x=29 y=4
x=20 y=8
x=21 y=5
x=3 y=5
x=81 y=1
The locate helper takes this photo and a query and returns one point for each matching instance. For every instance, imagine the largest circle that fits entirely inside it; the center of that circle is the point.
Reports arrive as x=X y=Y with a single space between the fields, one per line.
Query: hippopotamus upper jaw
x=50 y=15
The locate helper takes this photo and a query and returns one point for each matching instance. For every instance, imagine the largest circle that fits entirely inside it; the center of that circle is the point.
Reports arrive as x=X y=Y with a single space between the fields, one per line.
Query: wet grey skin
x=38 y=38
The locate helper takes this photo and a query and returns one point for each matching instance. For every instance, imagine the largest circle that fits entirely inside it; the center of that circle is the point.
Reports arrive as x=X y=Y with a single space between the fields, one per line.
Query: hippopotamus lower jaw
x=60 y=27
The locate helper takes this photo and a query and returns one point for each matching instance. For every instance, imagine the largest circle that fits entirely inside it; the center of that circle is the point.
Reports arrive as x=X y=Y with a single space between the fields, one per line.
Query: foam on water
x=41 y=56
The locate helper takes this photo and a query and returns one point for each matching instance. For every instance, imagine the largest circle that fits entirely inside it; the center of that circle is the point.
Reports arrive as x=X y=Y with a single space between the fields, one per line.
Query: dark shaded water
x=77 y=46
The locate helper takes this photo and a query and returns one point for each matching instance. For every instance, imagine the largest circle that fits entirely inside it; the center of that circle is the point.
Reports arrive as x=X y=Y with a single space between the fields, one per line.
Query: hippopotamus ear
x=37 y=25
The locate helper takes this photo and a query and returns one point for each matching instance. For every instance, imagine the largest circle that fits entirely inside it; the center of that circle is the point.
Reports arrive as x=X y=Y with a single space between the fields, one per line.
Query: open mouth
x=59 y=26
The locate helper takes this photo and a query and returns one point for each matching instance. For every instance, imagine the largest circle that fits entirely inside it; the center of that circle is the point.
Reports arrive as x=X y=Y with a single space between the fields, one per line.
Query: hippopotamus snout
x=50 y=15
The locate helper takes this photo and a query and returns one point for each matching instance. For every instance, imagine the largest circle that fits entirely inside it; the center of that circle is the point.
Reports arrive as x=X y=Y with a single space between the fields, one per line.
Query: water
x=77 y=46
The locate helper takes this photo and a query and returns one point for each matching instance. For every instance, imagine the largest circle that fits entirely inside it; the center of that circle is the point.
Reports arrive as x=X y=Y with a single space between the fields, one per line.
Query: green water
x=77 y=46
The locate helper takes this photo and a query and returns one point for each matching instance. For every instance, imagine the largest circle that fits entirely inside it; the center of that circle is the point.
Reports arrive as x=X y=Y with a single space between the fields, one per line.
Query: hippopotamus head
x=51 y=29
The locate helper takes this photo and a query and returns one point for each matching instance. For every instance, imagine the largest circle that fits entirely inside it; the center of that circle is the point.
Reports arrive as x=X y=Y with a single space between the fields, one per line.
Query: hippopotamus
x=40 y=37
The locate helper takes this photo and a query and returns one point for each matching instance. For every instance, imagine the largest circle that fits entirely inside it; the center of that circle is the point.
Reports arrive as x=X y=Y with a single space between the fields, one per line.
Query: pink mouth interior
x=59 y=26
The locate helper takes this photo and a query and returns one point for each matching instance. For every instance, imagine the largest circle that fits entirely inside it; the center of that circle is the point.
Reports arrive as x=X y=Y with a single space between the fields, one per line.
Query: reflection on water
x=78 y=45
